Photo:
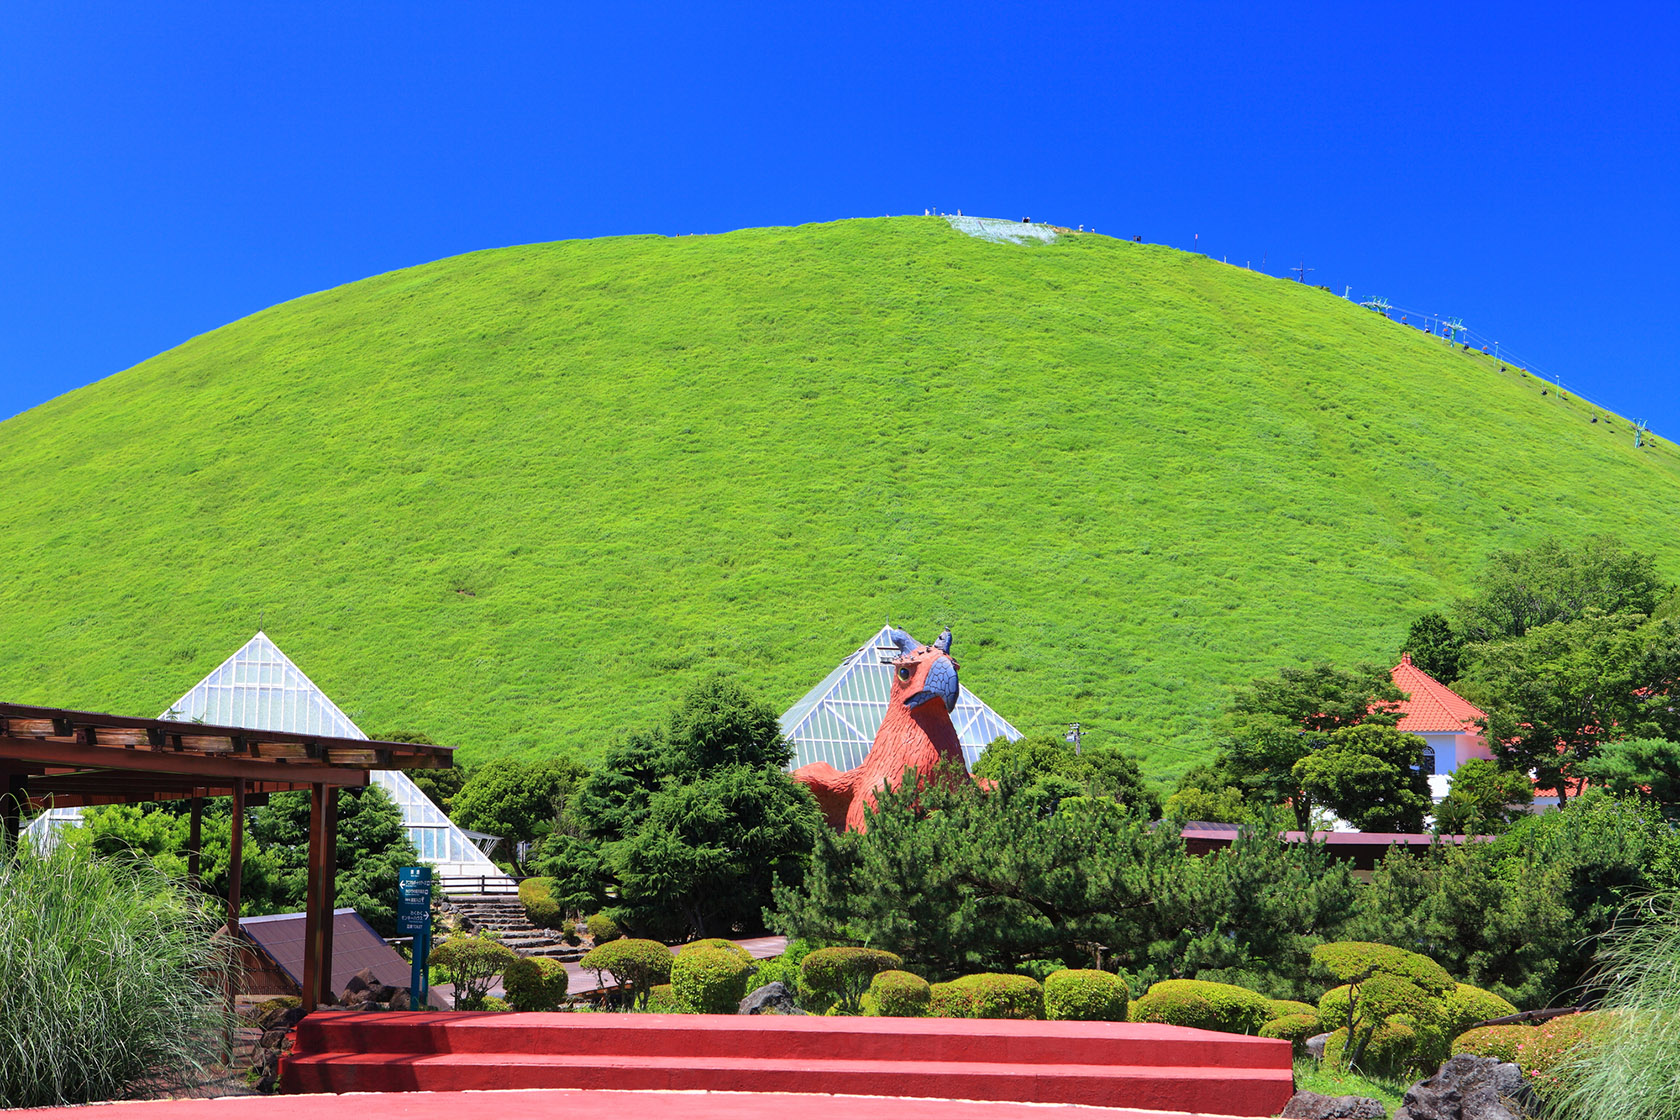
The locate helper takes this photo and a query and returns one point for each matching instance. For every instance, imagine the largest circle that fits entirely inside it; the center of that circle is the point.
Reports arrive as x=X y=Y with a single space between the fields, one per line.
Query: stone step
x=1138 y=1065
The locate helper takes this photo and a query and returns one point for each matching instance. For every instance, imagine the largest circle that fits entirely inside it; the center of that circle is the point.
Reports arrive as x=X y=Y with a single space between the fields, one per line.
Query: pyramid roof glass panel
x=836 y=721
x=259 y=687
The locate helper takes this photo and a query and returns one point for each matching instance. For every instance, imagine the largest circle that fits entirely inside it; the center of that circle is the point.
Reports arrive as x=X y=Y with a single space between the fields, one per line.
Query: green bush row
x=541 y=910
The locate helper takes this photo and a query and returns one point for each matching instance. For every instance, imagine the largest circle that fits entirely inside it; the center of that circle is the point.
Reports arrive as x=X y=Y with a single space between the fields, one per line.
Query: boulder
x=1317 y=1106
x=772 y=999
x=1469 y=1088
x=399 y=1000
x=1315 y=1045
x=280 y=1018
x=360 y=982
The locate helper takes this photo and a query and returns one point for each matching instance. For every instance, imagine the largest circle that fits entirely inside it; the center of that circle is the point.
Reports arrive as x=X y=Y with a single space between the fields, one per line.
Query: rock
x=358 y=998
x=360 y=982
x=399 y=1000
x=1317 y=1106
x=280 y=1019
x=271 y=1040
x=1469 y=1088
x=383 y=993
x=1315 y=1045
x=772 y=999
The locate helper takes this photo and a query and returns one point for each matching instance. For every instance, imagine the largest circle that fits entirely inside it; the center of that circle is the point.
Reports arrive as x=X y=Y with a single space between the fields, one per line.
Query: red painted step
x=1137 y=1065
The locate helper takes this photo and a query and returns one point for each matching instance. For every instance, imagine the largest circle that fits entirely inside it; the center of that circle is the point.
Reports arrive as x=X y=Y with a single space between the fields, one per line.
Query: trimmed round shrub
x=987 y=995
x=492 y=1003
x=662 y=1001
x=1203 y=1004
x=633 y=962
x=1389 y=1052
x=1493 y=1042
x=1282 y=1007
x=535 y=984
x=1466 y=1006
x=710 y=980
x=1086 y=994
x=602 y=929
x=897 y=994
x=1543 y=1050
x=471 y=963
x=537 y=896
x=1333 y=1006
x=948 y=1001
x=1296 y=1028
x=844 y=974
x=718 y=943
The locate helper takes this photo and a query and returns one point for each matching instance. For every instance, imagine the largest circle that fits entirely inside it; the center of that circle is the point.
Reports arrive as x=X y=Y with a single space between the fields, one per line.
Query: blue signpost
x=414 y=918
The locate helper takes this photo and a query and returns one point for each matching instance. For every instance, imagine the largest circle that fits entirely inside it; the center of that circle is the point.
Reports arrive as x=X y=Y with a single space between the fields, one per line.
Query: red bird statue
x=917 y=734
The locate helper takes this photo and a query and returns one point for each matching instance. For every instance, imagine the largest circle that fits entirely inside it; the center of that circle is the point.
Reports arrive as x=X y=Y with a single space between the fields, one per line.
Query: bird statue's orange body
x=916 y=735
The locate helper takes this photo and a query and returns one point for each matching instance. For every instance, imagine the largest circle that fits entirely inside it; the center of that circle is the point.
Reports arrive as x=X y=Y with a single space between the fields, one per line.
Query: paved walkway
x=589 y=1104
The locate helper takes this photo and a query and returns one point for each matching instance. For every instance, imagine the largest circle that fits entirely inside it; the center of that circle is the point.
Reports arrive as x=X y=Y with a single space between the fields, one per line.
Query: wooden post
x=318 y=905
x=329 y=888
x=195 y=837
x=312 y=905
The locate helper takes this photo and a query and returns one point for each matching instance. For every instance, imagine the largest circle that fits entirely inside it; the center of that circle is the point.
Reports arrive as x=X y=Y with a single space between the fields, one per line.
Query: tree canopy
x=694 y=822
x=1095 y=771
x=1554 y=582
x=1370 y=776
x=1278 y=721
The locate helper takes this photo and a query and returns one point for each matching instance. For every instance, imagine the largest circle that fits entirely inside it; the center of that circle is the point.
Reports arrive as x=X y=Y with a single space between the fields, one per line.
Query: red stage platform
x=589 y=1104
x=1130 y=1065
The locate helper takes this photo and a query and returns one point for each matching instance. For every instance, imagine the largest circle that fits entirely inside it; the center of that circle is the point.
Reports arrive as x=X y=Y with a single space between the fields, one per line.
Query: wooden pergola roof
x=71 y=758
x=64 y=759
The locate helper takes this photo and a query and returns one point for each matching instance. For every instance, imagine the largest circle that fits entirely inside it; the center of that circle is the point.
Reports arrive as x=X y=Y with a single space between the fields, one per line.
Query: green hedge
x=535 y=983
x=709 y=979
x=602 y=928
x=1542 y=1050
x=537 y=896
x=897 y=994
x=633 y=962
x=1084 y=993
x=1296 y=1028
x=1203 y=1004
x=1282 y=1007
x=988 y=995
x=1466 y=1006
x=843 y=974
x=1390 y=1052
x=662 y=1001
x=718 y=943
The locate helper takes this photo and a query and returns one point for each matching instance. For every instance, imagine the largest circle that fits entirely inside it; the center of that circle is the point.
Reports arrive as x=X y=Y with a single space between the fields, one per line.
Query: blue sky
x=167 y=168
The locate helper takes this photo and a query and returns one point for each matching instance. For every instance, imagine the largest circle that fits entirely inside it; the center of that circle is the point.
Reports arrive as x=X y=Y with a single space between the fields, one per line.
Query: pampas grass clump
x=111 y=979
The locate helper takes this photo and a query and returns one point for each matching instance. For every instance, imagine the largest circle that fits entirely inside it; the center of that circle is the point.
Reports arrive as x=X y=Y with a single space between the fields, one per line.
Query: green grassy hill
x=519 y=499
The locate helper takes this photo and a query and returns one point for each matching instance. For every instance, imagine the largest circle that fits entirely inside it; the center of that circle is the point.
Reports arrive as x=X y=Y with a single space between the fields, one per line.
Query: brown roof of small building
x=356 y=945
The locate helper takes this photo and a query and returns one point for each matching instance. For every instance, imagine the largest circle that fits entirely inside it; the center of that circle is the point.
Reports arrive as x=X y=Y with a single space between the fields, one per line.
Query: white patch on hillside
x=997 y=229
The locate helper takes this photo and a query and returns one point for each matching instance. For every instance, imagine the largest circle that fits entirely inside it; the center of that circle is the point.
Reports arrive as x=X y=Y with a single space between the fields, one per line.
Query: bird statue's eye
x=904 y=672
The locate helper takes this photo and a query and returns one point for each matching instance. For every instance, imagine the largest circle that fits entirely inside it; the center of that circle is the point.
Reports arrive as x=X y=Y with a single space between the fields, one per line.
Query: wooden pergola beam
x=92 y=758
x=56 y=752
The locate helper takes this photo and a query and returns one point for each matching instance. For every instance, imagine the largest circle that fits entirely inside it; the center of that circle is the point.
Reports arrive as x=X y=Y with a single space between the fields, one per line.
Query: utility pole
x=1302 y=270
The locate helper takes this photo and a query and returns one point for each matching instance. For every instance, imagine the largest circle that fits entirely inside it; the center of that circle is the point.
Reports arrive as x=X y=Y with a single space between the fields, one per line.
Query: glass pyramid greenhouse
x=836 y=721
x=259 y=687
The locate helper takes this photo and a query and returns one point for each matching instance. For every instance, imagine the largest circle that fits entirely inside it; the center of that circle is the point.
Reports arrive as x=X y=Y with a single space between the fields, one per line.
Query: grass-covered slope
x=518 y=499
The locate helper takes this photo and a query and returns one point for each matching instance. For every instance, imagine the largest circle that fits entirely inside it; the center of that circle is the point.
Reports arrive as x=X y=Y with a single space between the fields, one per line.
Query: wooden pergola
x=51 y=757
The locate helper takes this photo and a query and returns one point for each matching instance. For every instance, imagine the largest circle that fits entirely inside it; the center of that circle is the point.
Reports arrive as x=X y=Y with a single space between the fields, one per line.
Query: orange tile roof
x=1433 y=706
